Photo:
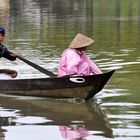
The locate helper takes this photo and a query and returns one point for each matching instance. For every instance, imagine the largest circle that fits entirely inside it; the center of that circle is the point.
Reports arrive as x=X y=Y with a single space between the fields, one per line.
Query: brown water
x=40 y=30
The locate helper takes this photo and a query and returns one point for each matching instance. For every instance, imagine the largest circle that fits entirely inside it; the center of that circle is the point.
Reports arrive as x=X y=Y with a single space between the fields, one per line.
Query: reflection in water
x=2 y=135
x=71 y=133
x=27 y=120
x=40 y=30
x=78 y=120
x=4 y=12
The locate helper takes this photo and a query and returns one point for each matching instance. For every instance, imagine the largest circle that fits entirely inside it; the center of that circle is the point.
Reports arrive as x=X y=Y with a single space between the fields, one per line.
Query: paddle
x=39 y=68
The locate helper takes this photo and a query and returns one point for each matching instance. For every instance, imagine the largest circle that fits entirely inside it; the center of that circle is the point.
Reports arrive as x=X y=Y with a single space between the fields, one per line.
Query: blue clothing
x=4 y=52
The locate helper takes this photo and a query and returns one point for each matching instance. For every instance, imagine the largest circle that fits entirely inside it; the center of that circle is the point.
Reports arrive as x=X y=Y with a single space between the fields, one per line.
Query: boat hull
x=59 y=87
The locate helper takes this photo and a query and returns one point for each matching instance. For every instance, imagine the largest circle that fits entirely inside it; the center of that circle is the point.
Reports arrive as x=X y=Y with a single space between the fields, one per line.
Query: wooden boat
x=84 y=87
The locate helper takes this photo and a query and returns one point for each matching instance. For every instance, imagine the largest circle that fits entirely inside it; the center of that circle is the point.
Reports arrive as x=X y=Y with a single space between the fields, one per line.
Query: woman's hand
x=13 y=54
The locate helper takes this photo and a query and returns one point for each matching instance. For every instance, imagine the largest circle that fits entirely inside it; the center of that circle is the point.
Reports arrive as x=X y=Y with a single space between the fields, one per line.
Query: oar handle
x=39 y=68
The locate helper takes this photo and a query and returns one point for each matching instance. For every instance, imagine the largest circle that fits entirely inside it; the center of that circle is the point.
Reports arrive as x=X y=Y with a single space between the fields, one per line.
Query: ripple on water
x=124 y=119
x=9 y=112
x=30 y=120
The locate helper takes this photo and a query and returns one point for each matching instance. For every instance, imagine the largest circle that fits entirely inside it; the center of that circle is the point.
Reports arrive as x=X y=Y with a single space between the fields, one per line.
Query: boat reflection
x=2 y=136
x=72 y=120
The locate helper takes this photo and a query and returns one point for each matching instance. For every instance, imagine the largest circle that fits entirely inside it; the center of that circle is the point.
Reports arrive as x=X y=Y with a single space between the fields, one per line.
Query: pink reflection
x=72 y=133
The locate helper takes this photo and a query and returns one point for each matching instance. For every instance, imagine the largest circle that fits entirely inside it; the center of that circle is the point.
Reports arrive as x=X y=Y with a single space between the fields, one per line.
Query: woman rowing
x=4 y=52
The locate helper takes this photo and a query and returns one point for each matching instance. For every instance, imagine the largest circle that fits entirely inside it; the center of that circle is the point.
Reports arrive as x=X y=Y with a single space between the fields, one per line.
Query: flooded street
x=40 y=30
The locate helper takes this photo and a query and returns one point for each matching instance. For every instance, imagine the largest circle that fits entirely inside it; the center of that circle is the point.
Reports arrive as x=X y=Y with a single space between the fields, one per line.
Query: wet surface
x=39 y=31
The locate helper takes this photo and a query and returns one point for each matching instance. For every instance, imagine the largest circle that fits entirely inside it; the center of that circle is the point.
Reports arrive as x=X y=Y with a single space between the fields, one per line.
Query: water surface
x=40 y=31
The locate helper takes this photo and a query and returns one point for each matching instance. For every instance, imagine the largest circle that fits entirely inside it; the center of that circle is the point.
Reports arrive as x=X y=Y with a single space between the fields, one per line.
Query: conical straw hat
x=81 y=41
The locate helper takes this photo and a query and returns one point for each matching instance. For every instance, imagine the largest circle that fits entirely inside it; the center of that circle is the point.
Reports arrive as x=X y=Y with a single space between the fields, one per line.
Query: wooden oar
x=39 y=68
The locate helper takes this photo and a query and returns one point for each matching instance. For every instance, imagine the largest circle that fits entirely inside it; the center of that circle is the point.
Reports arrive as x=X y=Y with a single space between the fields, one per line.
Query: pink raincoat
x=78 y=63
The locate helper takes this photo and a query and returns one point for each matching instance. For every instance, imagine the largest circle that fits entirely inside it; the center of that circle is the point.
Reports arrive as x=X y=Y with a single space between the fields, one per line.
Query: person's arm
x=4 y=52
x=68 y=63
x=72 y=62
x=94 y=68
